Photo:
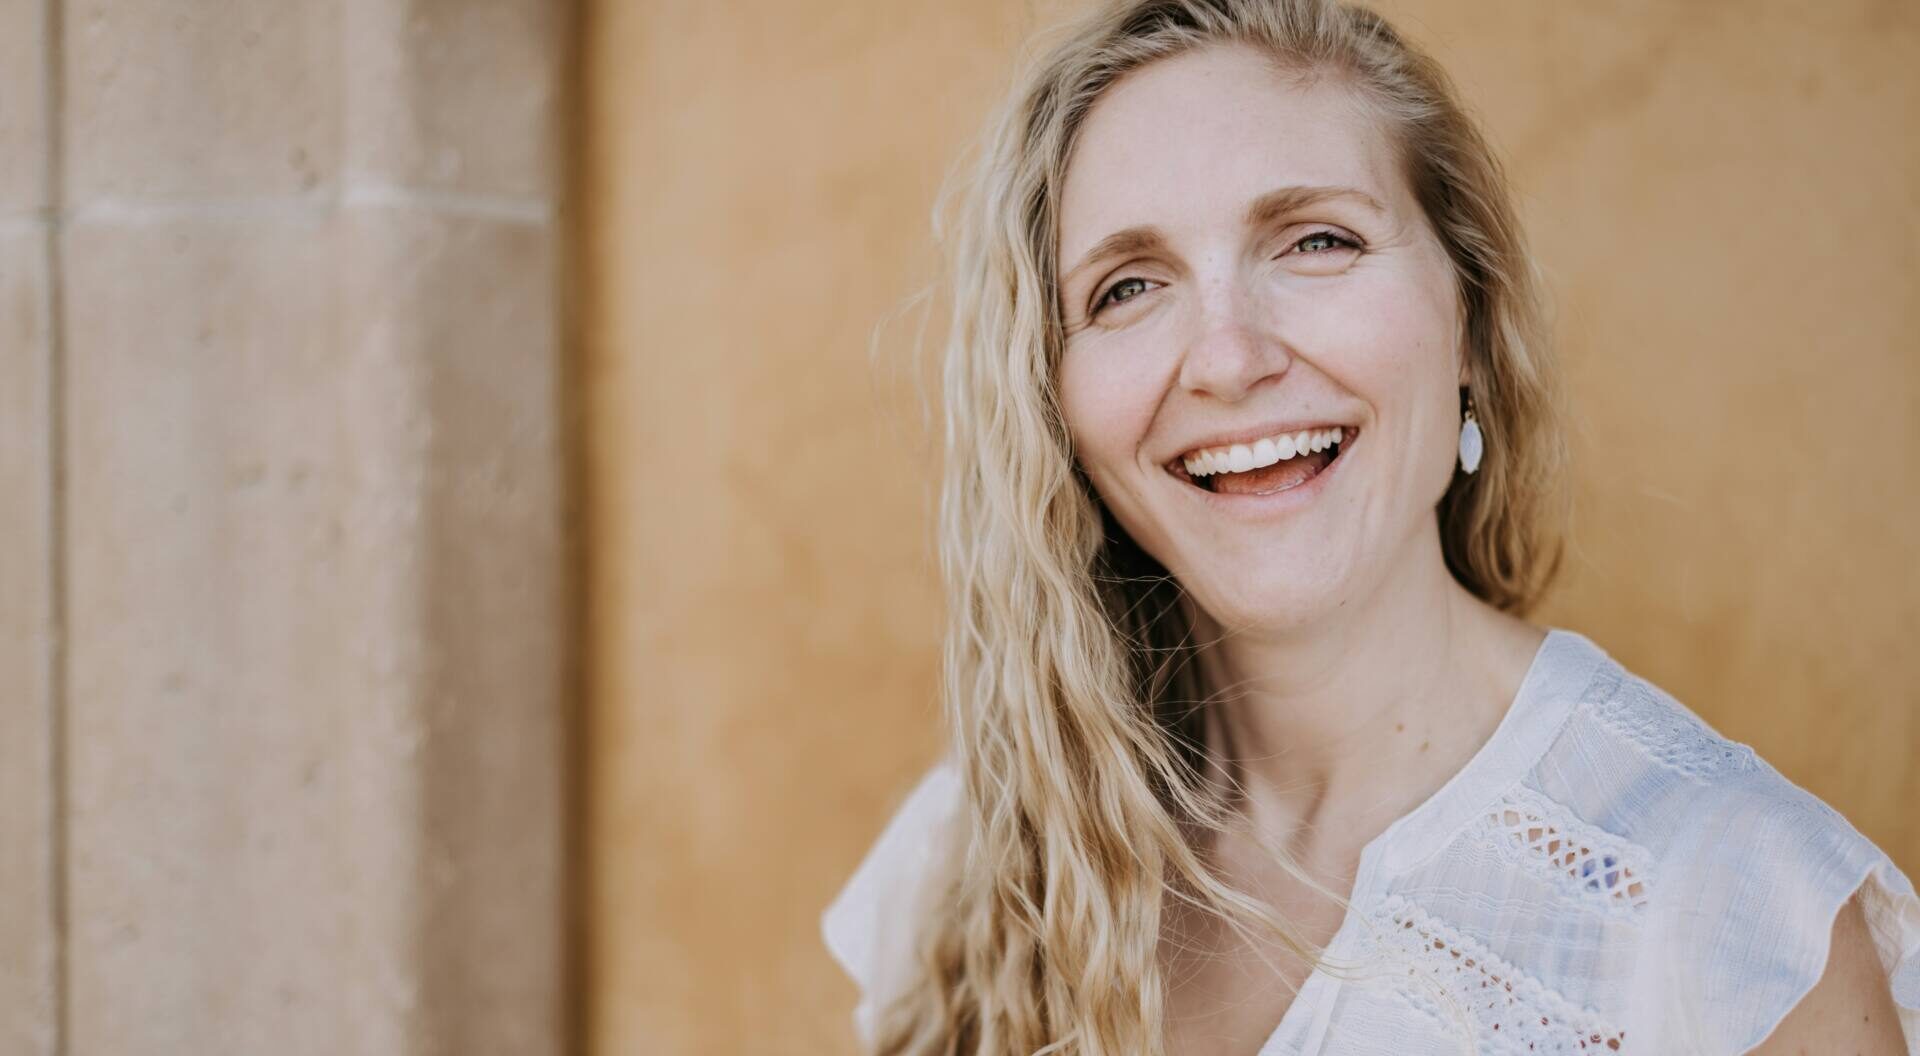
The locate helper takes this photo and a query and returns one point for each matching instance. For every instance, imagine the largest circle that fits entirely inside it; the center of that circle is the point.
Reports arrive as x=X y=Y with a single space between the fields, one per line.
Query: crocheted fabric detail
x=1670 y=734
x=1456 y=978
x=1589 y=863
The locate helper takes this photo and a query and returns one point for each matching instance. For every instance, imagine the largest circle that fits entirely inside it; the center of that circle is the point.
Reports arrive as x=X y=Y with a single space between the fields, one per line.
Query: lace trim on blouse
x=1586 y=862
x=1456 y=978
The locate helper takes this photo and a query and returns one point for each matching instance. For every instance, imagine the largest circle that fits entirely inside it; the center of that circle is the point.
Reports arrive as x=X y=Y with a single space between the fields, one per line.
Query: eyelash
x=1339 y=240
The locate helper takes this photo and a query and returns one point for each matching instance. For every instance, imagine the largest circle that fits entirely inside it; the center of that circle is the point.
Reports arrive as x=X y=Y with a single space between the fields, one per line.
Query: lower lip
x=1274 y=502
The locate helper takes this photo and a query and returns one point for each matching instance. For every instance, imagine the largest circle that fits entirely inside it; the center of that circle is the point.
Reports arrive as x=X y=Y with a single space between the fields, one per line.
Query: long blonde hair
x=1072 y=702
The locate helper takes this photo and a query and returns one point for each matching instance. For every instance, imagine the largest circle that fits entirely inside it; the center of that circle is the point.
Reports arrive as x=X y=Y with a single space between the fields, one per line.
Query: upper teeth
x=1238 y=458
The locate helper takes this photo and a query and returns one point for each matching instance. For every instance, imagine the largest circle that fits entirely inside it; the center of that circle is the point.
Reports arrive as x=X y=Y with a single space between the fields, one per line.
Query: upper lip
x=1248 y=436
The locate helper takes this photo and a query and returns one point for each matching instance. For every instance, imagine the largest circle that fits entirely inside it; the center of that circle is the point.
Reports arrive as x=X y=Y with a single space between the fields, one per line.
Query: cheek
x=1391 y=332
x=1426 y=323
x=1426 y=391
x=1109 y=401
x=1108 y=404
x=1391 y=338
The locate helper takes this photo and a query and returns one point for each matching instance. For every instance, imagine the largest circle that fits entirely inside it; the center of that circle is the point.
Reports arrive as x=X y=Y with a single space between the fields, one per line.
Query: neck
x=1334 y=728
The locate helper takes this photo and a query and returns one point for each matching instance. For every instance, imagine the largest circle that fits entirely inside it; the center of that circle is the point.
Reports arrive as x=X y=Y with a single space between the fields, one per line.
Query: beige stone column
x=292 y=447
x=29 y=947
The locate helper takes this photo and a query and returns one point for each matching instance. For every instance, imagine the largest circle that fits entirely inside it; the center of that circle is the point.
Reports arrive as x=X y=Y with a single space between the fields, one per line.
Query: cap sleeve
x=865 y=927
x=1754 y=885
x=1893 y=919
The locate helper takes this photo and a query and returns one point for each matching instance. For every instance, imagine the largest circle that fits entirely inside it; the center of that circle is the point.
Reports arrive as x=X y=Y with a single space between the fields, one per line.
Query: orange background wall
x=1722 y=195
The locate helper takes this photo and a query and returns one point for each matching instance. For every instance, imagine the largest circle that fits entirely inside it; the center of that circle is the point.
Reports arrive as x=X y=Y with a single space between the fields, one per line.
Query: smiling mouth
x=1269 y=465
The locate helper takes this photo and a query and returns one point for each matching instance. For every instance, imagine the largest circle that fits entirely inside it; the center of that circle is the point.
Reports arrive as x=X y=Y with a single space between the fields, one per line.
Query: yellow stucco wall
x=1722 y=195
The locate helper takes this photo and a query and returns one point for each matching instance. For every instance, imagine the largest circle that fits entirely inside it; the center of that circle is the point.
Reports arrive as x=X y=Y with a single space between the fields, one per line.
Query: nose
x=1232 y=350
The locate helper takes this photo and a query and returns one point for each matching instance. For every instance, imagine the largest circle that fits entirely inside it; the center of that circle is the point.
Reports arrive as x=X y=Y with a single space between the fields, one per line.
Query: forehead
x=1195 y=137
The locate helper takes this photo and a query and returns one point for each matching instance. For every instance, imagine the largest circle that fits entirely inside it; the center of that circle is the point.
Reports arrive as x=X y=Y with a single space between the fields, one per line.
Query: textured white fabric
x=1606 y=874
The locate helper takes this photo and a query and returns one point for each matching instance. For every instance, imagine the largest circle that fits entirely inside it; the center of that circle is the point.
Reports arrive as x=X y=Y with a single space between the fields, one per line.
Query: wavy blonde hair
x=1073 y=705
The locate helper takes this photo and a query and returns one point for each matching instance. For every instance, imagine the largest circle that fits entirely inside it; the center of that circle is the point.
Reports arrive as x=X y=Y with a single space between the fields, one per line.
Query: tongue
x=1289 y=473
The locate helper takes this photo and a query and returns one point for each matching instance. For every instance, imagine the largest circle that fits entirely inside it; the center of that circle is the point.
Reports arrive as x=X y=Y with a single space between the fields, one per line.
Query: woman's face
x=1241 y=261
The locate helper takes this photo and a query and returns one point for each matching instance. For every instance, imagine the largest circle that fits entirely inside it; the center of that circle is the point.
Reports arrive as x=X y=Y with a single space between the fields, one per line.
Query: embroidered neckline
x=1568 y=672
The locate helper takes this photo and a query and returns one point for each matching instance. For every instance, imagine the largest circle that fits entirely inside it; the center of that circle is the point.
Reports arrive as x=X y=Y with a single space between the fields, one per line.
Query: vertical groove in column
x=53 y=62
x=577 y=866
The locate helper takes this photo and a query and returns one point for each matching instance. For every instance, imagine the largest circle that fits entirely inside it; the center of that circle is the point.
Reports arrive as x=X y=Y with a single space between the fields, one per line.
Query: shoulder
x=1747 y=879
x=865 y=927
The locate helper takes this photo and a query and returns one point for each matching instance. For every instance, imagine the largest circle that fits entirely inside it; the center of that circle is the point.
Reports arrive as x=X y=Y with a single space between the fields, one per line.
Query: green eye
x=1320 y=242
x=1124 y=290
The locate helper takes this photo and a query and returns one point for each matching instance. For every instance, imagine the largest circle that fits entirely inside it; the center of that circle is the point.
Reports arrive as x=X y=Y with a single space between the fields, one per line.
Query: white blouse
x=1606 y=874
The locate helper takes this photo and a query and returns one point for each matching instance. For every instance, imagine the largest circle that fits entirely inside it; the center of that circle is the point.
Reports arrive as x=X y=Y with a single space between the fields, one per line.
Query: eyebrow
x=1264 y=210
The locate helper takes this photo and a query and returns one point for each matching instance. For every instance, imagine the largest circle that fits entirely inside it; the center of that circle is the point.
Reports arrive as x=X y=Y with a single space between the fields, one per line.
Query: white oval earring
x=1471 y=446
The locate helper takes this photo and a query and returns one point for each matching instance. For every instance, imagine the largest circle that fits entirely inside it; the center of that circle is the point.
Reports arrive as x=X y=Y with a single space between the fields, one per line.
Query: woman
x=1252 y=462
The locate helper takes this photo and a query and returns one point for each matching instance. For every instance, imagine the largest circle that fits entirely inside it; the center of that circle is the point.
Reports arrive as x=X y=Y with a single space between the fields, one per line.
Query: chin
x=1282 y=602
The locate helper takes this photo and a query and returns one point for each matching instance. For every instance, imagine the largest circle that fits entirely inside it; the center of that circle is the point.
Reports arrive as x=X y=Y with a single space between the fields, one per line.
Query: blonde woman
x=1252 y=474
